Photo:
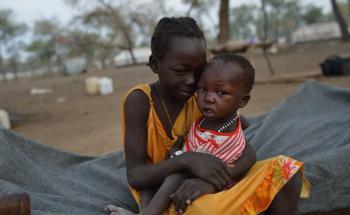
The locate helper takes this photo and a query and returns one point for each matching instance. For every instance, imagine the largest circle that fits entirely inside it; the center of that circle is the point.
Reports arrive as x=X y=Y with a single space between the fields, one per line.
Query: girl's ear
x=152 y=62
x=244 y=100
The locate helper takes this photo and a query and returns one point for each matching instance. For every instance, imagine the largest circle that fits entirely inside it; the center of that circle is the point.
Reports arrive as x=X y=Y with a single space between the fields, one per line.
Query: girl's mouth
x=187 y=92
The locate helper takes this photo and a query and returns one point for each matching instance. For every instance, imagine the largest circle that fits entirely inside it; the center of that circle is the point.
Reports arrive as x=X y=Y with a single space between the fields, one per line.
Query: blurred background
x=65 y=64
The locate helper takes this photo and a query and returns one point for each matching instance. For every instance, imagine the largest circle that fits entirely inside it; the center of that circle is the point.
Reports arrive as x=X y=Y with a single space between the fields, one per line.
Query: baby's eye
x=221 y=93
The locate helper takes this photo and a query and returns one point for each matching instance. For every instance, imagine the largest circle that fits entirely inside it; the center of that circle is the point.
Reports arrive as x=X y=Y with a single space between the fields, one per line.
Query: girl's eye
x=180 y=72
x=200 y=89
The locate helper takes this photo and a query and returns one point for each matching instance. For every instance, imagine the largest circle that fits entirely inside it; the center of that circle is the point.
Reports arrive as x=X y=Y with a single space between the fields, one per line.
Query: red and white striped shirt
x=226 y=146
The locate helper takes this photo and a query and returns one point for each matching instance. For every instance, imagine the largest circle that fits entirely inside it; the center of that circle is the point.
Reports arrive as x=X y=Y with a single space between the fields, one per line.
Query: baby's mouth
x=208 y=111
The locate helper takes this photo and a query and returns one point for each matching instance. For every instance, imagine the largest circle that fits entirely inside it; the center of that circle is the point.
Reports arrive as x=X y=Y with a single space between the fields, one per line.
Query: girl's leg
x=286 y=201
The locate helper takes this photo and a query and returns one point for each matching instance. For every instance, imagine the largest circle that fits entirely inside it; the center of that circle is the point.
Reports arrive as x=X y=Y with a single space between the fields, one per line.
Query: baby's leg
x=160 y=201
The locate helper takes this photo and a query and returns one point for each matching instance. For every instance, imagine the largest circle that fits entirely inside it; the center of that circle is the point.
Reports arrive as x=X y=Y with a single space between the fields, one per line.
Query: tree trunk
x=265 y=21
x=349 y=11
x=341 y=21
x=224 y=25
x=277 y=23
x=188 y=13
x=59 y=64
x=2 y=71
x=133 y=58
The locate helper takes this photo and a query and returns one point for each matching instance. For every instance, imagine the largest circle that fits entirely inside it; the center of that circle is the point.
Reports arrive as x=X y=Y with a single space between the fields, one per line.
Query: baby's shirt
x=226 y=146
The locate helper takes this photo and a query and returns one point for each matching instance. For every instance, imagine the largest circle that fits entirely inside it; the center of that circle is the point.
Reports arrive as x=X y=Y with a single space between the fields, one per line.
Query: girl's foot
x=114 y=210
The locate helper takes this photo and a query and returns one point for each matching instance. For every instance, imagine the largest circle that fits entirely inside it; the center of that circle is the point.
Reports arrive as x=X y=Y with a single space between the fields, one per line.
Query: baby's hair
x=248 y=69
x=168 y=28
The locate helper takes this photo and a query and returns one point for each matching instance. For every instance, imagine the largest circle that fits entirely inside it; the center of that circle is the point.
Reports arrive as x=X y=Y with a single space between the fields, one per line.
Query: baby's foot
x=114 y=210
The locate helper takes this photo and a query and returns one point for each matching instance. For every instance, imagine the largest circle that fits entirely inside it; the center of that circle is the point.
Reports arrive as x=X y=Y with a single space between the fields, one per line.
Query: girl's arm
x=142 y=175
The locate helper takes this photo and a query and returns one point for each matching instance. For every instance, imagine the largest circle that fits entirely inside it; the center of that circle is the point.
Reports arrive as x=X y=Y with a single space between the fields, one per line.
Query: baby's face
x=220 y=90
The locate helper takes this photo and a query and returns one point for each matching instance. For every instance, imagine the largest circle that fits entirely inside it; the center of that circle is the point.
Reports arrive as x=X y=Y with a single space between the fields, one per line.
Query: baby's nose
x=209 y=97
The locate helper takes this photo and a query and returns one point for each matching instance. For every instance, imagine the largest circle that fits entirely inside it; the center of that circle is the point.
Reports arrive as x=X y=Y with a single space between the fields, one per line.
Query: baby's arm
x=244 y=163
x=161 y=201
x=244 y=122
x=146 y=197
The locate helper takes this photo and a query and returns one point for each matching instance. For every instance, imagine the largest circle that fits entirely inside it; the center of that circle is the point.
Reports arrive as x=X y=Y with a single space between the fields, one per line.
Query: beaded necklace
x=228 y=124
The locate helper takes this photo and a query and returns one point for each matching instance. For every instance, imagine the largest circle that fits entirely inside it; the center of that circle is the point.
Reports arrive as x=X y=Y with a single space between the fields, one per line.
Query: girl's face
x=180 y=67
x=221 y=91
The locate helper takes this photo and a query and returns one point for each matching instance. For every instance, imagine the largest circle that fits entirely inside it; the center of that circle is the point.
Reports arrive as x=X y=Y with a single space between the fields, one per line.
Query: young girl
x=224 y=87
x=156 y=114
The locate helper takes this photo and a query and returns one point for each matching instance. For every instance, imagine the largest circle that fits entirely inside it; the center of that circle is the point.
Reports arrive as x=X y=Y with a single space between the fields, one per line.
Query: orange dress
x=252 y=195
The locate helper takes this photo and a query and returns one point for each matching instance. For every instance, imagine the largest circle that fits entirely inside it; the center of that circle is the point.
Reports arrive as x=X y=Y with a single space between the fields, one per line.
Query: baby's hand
x=114 y=210
x=189 y=191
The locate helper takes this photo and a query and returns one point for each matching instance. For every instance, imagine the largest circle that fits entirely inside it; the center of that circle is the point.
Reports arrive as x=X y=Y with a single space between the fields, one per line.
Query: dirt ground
x=71 y=120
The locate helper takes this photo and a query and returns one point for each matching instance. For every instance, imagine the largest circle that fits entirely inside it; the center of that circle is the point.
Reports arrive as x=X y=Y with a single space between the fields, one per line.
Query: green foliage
x=10 y=31
x=8 y=26
x=312 y=14
x=283 y=17
x=43 y=49
x=242 y=20
x=49 y=43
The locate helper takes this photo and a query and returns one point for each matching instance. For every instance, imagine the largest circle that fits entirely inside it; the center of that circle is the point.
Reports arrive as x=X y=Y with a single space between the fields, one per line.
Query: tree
x=341 y=21
x=48 y=45
x=276 y=6
x=265 y=21
x=10 y=30
x=290 y=19
x=224 y=24
x=200 y=9
x=349 y=9
x=116 y=22
x=312 y=14
x=243 y=21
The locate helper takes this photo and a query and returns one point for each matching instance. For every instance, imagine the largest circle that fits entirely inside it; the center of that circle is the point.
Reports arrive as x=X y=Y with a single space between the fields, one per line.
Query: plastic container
x=106 y=85
x=92 y=85
x=4 y=119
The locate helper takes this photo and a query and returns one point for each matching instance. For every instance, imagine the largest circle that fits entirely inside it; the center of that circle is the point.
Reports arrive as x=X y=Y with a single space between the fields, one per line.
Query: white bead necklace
x=228 y=124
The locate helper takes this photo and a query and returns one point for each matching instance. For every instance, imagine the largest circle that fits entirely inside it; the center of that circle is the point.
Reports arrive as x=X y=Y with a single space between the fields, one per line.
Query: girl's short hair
x=168 y=28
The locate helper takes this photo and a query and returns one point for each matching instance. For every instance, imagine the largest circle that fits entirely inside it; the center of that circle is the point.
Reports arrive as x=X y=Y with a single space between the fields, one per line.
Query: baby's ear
x=244 y=100
x=152 y=63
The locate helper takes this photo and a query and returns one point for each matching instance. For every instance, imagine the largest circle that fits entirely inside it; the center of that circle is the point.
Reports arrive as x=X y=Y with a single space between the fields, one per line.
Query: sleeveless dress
x=252 y=195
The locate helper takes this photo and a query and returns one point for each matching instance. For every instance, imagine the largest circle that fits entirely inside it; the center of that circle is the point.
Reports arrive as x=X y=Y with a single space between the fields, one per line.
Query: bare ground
x=91 y=124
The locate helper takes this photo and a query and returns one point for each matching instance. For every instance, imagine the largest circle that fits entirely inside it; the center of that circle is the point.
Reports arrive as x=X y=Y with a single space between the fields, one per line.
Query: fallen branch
x=288 y=78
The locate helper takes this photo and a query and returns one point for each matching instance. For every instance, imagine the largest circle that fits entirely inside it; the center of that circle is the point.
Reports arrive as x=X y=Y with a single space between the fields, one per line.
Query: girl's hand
x=189 y=191
x=208 y=168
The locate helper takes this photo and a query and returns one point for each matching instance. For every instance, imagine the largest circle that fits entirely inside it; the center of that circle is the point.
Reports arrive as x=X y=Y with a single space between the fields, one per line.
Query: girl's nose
x=190 y=80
